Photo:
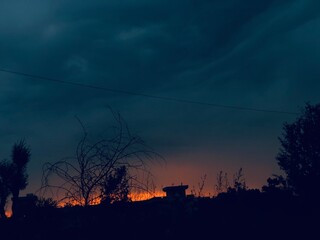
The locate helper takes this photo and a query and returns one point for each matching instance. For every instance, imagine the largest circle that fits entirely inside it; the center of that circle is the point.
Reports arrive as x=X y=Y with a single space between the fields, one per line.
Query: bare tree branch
x=81 y=179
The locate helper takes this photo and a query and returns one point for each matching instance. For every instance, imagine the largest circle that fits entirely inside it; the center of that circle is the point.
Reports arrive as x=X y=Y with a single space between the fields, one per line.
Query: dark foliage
x=299 y=155
x=19 y=178
x=276 y=185
x=116 y=187
x=13 y=175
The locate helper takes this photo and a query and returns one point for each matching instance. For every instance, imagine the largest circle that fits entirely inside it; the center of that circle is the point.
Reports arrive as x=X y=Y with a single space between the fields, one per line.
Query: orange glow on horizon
x=8 y=213
x=141 y=196
x=134 y=196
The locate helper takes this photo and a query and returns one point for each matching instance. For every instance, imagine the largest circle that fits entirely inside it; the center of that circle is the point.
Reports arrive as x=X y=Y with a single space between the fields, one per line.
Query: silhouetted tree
x=82 y=177
x=299 y=155
x=19 y=178
x=5 y=176
x=201 y=184
x=222 y=182
x=116 y=187
x=239 y=182
x=225 y=189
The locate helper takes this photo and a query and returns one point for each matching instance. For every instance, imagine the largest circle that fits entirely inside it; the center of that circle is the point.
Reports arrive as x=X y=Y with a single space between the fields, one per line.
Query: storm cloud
x=256 y=54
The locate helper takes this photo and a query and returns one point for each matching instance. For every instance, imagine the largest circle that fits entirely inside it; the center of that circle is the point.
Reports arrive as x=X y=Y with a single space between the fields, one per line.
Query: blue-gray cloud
x=250 y=53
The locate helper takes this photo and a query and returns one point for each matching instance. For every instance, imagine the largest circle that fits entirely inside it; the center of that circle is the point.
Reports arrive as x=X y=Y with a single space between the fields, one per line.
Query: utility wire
x=171 y=99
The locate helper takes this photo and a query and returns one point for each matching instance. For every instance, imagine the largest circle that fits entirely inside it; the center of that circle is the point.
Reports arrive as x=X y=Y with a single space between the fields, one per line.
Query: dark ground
x=248 y=216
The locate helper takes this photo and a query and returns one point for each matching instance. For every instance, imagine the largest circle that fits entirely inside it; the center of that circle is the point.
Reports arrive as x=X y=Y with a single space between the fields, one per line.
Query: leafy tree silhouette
x=116 y=187
x=19 y=178
x=299 y=155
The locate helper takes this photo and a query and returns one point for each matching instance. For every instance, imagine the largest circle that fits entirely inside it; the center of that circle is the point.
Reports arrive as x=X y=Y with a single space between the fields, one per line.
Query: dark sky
x=258 y=54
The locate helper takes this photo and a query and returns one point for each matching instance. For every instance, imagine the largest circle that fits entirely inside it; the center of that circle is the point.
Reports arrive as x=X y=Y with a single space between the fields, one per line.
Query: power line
x=180 y=100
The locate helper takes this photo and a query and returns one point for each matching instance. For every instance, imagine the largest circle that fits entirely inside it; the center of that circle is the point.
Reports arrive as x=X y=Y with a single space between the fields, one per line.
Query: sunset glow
x=144 y=119
x=145 y=196
x=8 y=213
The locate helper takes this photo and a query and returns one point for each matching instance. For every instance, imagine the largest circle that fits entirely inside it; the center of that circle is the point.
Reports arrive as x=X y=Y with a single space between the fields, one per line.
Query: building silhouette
x=175 y=192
